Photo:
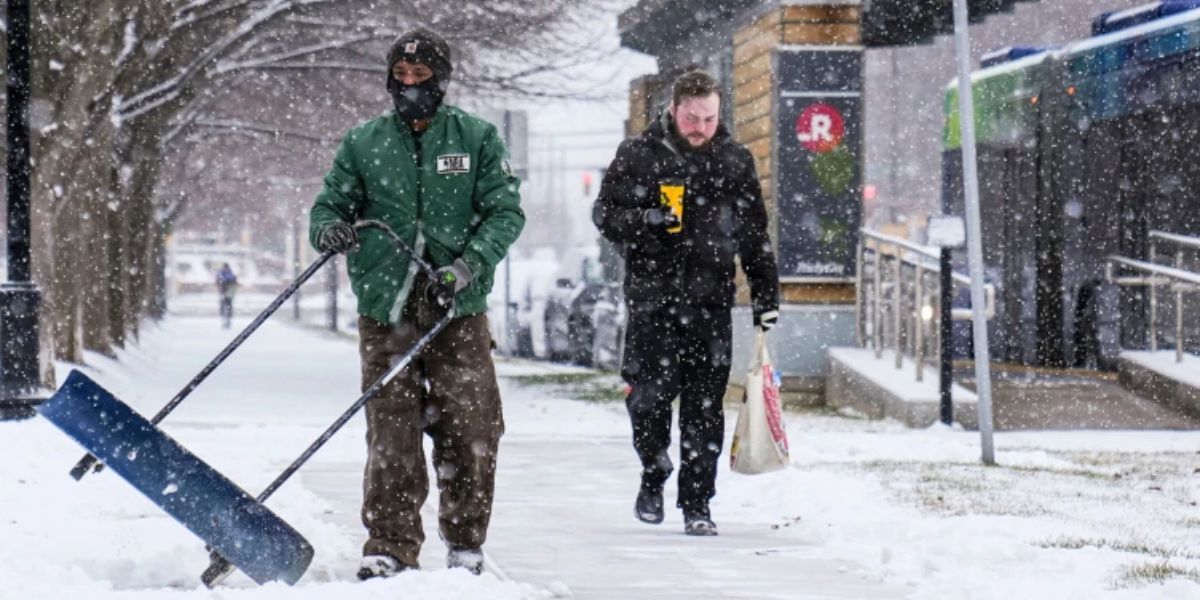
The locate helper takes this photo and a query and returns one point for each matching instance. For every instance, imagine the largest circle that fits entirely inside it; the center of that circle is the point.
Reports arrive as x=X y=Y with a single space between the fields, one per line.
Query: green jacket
x=460 y=199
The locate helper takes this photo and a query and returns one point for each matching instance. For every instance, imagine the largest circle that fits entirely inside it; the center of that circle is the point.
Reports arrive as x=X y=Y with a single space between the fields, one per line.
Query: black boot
x=649 y=505
x=697 y=521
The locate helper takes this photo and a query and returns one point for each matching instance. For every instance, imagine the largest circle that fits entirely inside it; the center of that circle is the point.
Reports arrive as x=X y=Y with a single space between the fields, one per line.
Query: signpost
x=818 y=120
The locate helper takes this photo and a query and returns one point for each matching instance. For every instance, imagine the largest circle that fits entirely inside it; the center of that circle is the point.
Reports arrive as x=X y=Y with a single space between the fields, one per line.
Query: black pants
x=678 y=350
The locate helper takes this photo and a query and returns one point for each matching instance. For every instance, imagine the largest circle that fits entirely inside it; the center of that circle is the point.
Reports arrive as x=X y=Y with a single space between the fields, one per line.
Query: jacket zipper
x=419 y=244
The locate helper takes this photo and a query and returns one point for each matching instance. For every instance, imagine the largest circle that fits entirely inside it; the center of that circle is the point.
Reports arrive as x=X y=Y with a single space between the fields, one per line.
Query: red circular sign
x=821 y=128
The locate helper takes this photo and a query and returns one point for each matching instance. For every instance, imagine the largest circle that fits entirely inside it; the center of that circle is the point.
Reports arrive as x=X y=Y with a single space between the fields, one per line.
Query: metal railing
x=904 y=308
x=1176 y=278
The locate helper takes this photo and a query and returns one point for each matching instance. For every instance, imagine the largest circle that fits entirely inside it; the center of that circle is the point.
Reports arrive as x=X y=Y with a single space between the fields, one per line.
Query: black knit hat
x=424 y=47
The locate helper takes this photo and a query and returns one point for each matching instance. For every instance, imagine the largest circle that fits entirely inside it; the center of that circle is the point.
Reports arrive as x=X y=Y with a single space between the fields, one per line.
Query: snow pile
x=100 y=539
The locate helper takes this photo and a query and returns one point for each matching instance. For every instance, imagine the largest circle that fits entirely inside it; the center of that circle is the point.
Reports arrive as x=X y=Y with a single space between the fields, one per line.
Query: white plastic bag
x=760 y=440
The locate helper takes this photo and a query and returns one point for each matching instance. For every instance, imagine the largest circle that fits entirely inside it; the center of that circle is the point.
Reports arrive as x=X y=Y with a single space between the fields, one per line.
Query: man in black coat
x=681 y=200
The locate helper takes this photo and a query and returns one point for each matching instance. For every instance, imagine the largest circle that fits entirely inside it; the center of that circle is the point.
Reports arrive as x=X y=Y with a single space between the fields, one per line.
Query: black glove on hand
x=660 y=218
x=765 y=321
x=337 y=236
x=448 y=281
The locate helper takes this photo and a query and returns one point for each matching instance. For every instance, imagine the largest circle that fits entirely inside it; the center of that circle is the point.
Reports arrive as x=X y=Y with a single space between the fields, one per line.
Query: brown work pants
x=449 y=392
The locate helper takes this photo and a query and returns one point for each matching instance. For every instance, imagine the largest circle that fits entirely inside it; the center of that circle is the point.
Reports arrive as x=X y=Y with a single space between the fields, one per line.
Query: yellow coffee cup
x=670 y=195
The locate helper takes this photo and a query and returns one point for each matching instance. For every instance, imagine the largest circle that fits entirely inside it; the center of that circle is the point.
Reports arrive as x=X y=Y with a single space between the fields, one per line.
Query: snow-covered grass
x=1063 y=515
x=589 y=386
x=868 y=509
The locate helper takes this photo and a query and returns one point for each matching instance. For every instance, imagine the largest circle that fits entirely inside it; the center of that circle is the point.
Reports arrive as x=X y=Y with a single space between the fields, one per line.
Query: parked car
x=538 y=282
x=568 y=318
x=532 y=280
x=608 y=318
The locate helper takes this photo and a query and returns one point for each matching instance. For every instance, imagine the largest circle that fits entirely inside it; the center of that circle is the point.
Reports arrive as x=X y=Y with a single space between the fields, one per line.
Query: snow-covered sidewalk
x=870 y=509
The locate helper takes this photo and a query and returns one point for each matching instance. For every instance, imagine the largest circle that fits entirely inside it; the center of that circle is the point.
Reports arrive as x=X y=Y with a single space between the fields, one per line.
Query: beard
x=685 y=143
x=695 y=142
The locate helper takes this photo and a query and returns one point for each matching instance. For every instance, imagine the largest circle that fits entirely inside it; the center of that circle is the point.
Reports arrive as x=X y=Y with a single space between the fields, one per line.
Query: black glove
x=337 y=236
x=766 y=320
x=447 y=282
x=660 y=218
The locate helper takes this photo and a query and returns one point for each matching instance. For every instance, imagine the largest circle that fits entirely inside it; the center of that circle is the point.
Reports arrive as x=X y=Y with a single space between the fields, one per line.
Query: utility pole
x=966 y=119
x=20 y=300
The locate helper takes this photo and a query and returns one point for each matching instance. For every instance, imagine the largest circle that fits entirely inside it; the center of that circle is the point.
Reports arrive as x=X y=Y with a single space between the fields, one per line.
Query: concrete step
x=1024 y=398
x=1160 y=377
x=875 y=388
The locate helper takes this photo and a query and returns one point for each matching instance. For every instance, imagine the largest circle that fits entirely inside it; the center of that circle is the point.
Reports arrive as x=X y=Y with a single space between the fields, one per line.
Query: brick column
x=642 y=105
x=754 y=87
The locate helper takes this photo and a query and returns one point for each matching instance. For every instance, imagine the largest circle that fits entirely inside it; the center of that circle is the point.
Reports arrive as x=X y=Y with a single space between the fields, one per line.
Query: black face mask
x=416 y=102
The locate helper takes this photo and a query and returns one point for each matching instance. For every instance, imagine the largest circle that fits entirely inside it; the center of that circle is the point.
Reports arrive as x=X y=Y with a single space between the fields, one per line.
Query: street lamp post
x=20 y=377
x=966 y=121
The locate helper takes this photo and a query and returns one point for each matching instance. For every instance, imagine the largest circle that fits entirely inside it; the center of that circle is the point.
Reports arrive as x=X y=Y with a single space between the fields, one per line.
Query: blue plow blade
x=211 y=506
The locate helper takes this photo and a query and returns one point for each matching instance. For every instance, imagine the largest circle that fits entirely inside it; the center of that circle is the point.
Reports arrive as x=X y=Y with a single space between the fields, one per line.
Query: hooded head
x=419 y=72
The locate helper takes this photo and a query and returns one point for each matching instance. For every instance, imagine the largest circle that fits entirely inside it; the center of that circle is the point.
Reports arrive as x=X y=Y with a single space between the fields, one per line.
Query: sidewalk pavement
x=869 y=509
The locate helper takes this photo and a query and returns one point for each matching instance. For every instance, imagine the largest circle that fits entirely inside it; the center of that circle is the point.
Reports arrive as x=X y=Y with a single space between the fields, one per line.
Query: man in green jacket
x=440 y=179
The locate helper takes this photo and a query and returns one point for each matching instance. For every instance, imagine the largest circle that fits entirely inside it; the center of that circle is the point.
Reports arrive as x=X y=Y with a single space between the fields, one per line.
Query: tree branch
x=268 y=61
x=169 y=90
x=263 y=130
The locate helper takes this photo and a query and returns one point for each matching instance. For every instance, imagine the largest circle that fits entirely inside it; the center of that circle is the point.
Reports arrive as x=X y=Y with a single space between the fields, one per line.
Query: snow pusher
x=238 y=530
x=192 y=492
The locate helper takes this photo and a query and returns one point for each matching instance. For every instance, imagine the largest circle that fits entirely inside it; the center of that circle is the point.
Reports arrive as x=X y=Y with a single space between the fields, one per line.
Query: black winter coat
x=723 y=216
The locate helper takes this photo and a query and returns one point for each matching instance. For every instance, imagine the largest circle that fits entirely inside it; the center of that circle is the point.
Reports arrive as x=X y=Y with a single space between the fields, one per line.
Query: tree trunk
x=117 y=256
x=65 y=318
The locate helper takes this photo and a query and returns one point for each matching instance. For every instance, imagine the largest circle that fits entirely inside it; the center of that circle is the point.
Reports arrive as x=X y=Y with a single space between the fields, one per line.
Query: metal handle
x=219 y=567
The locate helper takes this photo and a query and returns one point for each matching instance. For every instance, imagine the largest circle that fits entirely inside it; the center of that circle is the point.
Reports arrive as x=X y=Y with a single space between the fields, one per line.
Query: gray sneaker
x=470 y=559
